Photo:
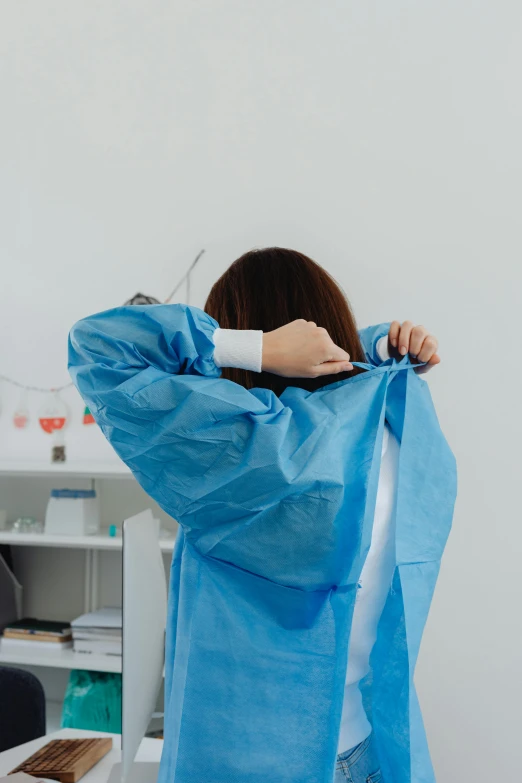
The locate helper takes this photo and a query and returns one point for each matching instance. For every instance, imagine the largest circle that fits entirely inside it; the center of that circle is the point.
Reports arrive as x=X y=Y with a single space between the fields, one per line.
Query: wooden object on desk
x=149 y=750
x=66 y=760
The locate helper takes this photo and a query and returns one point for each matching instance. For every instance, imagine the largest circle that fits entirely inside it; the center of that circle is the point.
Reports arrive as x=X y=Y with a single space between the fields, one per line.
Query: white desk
x=150 y=750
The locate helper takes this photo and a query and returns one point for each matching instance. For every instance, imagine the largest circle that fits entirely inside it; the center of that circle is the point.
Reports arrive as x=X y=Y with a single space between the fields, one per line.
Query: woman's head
x=265 y=289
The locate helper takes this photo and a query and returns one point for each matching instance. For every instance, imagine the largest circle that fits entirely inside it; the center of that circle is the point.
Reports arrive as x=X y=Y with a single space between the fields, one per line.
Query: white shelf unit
x=65 y=659
x=100 y=542
x=89 y=470
x=91 y=545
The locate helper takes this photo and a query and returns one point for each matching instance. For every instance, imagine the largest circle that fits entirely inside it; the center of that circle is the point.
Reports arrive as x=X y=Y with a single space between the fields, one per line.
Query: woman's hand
x=416 y=341
x=301 y=349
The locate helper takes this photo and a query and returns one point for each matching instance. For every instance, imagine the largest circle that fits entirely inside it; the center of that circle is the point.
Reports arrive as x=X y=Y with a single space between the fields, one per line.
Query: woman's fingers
x=404 y=338
x=428 y=349
x=300 y=349
x=418 y=335
x=415 y=340
x=335 y=359
x=393 y=335
x=331 y=368
x=332 y=352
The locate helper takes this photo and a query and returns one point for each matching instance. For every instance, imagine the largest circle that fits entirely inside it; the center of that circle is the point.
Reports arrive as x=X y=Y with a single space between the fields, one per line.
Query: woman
x=307 y=552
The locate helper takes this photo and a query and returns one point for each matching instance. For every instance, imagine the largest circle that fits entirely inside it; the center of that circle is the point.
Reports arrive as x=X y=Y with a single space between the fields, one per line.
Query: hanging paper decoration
x=53 y=414
x=21 y=414
x=88 y=418
x=20 y=418
x=58 y=447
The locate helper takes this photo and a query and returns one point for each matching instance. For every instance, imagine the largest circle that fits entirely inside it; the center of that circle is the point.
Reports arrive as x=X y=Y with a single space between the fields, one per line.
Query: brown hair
x=267 y=288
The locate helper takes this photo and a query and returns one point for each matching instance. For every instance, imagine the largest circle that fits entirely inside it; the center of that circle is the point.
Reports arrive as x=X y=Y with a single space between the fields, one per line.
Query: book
x=37 y=637
x=30 y=626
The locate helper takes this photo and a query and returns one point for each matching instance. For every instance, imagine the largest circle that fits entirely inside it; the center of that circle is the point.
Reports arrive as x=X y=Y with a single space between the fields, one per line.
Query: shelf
x=65 y=659
x=104 y=542
x=101 y=470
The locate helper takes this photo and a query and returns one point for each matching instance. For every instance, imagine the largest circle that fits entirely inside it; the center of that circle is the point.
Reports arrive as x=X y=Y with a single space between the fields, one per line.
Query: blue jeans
x=359 y=765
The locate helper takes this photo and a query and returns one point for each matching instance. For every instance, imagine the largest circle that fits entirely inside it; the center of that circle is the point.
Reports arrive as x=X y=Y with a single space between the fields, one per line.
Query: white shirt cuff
x=241 y=348
x=382 y=348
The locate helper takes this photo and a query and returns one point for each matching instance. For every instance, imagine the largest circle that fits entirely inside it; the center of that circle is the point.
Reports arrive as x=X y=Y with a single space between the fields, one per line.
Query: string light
x=38 y=389
x=138 y=299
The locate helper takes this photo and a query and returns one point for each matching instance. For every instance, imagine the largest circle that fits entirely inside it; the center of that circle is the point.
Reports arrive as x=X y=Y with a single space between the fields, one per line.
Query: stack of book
x=31 y=634
x=98 y=632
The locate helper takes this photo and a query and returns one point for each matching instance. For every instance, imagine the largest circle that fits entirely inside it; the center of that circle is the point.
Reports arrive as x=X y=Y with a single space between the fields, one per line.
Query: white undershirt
x=243 y=349
x=375 y=582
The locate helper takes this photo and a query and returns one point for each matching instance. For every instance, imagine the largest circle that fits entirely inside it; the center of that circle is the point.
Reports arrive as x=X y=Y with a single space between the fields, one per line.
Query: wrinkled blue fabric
x=275 y=498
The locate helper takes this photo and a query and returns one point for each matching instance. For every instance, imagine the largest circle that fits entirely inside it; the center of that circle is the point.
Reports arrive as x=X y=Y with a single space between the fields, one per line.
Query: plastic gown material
x=275 y=498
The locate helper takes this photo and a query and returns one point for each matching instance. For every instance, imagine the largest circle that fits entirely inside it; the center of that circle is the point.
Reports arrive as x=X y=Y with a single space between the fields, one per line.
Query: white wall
x=383 y=139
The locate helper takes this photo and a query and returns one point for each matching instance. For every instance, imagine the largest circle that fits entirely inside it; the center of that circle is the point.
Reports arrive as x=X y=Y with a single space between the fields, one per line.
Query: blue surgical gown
x=275 y=498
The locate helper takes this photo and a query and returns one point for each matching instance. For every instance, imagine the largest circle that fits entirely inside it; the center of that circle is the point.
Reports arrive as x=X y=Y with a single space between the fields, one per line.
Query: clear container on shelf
x=72 y=512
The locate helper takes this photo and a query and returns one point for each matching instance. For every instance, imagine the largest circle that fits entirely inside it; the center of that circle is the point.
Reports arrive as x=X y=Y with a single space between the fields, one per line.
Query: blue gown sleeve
x=189 y=436
x=369 y=338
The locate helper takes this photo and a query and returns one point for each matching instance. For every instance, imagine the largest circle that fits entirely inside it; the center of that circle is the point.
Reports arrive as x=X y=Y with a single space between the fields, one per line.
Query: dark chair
x=22 y=707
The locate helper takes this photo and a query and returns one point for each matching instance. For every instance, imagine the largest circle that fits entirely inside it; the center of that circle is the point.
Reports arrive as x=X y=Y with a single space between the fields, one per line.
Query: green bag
x=92 y=701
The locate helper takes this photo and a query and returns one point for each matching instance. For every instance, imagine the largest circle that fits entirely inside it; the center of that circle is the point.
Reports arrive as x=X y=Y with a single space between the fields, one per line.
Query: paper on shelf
x=107 y=617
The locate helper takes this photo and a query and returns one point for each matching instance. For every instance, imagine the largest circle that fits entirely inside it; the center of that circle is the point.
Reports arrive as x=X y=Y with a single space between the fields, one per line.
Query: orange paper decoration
x=53 y=414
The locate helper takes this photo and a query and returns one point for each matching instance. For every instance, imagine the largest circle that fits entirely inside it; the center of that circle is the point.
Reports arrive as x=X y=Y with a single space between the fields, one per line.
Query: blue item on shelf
x=73 y=493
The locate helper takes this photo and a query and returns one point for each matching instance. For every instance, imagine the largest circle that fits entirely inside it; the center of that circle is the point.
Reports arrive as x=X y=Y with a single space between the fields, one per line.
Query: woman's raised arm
x=150 y=380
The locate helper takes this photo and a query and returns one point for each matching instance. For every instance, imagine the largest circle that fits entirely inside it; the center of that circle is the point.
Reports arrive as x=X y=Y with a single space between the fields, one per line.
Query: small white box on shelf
x=72 y=512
